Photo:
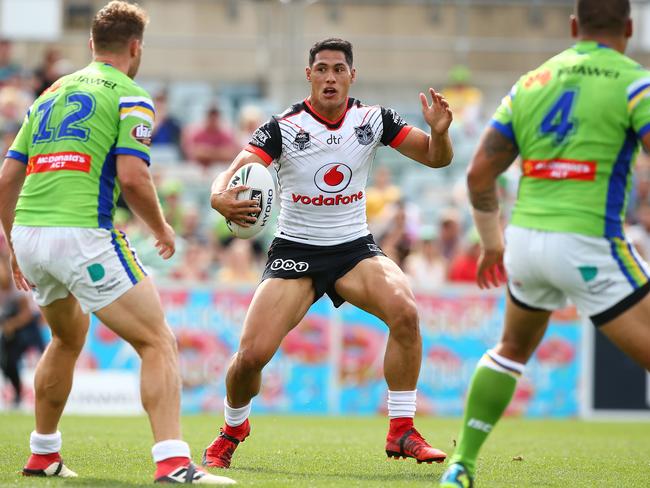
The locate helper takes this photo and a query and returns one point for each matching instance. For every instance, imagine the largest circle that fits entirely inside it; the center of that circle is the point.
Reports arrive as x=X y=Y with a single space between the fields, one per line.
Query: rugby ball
x=261 y=188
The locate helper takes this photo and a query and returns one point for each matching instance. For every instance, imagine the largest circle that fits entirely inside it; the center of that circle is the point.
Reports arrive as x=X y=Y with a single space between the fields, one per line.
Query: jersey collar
x=589 y=46
x=330 y=124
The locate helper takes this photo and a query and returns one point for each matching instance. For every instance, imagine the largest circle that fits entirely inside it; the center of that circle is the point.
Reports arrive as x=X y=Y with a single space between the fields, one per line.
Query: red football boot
x=47 y=465
x=219 y=453
x=404 y=441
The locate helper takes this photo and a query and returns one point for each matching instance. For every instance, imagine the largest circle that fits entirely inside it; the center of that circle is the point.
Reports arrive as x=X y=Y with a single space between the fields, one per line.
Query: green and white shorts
x=96 y=265
x=603 y=277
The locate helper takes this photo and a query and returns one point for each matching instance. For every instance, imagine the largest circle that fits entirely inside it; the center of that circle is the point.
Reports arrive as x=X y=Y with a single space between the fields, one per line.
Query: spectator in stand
x=464 y=99
x=380 y=197
x=8 y=68
x=14 y=103
x=398 y=238
x=449 y=233
x=464 y=266
x=195 y=266
x=19 y=328
x=426 y=267
x=191 y=225
x=210 y=141
x=639 y=234
x=171 y=202
x=53 y=67
x=250 y=118
x=167 y=130
x=239 y=266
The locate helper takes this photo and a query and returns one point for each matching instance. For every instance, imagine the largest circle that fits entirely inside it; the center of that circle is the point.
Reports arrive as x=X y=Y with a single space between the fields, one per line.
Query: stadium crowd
x=419 y=216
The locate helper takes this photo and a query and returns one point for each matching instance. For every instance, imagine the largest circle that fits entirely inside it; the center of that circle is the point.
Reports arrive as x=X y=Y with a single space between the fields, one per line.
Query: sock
x=45 y=443
x=235 y=416
x=169 y=455
x=490 y=392
x=399 y=425
x=401 y=404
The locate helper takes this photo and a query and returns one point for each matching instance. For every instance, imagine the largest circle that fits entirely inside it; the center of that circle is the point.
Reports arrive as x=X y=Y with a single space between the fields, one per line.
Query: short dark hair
x=116 y=24
x=602 y=16
x=331 y=44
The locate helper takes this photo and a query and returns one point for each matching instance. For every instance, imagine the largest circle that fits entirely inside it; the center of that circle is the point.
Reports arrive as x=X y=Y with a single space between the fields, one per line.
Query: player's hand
x=491 y=272
x=237 y=211
x=19 y=278
x=165 y=242
x=438 y=115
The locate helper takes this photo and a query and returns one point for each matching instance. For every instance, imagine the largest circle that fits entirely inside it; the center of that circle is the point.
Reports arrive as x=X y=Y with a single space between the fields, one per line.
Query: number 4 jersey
x=69 y=142
x=577 y=120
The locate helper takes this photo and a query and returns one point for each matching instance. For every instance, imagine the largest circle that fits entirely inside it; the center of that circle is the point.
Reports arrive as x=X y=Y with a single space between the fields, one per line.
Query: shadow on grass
x=102 y=482
x=422 y=476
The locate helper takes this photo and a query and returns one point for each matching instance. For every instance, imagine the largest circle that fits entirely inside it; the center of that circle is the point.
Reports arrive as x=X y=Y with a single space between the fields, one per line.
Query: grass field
x=343 y=452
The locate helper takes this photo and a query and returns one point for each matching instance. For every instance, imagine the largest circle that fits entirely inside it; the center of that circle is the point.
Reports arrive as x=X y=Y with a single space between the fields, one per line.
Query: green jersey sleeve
x=638 y=104
x=20 y=148
x=502 y=118
x=136 y=125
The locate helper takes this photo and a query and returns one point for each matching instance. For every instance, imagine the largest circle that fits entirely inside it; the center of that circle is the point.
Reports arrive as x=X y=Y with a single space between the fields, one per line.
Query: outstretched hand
x=438 y=115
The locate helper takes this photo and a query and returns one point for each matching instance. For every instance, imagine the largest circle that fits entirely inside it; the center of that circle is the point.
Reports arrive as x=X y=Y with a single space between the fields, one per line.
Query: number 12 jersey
x=69 y=141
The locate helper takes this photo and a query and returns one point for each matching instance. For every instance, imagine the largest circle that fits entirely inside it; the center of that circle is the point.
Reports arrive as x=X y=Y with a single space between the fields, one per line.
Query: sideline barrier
x=332 y=362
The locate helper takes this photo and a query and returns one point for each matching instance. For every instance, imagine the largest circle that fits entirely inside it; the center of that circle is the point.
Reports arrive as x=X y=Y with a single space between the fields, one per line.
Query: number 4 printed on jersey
x=558 y=120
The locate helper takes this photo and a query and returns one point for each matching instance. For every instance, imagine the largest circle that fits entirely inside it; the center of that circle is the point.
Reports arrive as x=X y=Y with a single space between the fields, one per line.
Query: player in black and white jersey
x=322 y=149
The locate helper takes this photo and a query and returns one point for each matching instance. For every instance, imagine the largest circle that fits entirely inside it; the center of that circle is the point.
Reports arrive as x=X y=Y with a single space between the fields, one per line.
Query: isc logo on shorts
x=289 y=265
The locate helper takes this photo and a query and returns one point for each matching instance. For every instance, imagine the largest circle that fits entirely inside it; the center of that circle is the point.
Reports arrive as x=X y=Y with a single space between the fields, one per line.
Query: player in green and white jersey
x=576 y=122
x=85 y=139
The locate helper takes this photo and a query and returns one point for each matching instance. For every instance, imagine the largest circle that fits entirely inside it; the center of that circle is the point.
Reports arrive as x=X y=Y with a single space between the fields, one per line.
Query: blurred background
x=217 y=69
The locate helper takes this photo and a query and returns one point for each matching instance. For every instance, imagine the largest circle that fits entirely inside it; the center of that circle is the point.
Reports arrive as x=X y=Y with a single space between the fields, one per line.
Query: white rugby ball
x=261 y=188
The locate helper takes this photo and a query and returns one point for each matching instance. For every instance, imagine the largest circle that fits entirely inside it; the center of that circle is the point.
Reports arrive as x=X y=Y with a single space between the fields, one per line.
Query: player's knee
x=69 y=343
x=250 y=360
x=162 y=343
x=404 y=321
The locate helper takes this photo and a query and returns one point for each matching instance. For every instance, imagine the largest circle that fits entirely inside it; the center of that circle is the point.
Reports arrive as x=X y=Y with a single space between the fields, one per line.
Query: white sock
x=504 y=365
x=401 y=404
x=45 y=443
x=236 y=416
x=170 y=448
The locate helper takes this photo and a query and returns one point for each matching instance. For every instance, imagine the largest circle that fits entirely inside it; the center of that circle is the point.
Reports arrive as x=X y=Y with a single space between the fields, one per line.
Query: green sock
x=490 y=392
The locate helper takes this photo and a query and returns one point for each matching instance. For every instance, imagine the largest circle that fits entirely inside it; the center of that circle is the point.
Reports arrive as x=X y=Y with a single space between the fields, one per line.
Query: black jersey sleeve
x=395 y=127
x=266 y=141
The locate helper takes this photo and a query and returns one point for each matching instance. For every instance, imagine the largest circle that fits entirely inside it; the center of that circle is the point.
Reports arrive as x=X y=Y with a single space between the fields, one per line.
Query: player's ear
x=574 y=26
x=134 y=47
x=91 y=45
x=308 y=73
x=629 y=28
x=353 y=74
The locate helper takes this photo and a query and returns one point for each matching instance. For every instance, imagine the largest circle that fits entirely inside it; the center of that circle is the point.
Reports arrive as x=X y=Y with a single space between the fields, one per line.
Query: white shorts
x=602 y=276
x=96 y=265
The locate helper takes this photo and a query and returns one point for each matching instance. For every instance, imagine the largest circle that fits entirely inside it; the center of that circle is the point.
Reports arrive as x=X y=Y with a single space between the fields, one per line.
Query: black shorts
x=323 y=264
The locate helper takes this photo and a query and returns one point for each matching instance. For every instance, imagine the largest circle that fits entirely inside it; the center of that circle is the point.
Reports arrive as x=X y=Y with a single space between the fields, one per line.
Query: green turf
x=345 y=452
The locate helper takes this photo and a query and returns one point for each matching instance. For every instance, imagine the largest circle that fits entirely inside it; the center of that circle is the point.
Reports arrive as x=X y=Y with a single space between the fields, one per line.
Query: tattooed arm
x=493 y=156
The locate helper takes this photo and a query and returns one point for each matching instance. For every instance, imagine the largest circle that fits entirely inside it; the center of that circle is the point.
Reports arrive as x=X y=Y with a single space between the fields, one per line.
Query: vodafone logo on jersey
x=333 y=177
